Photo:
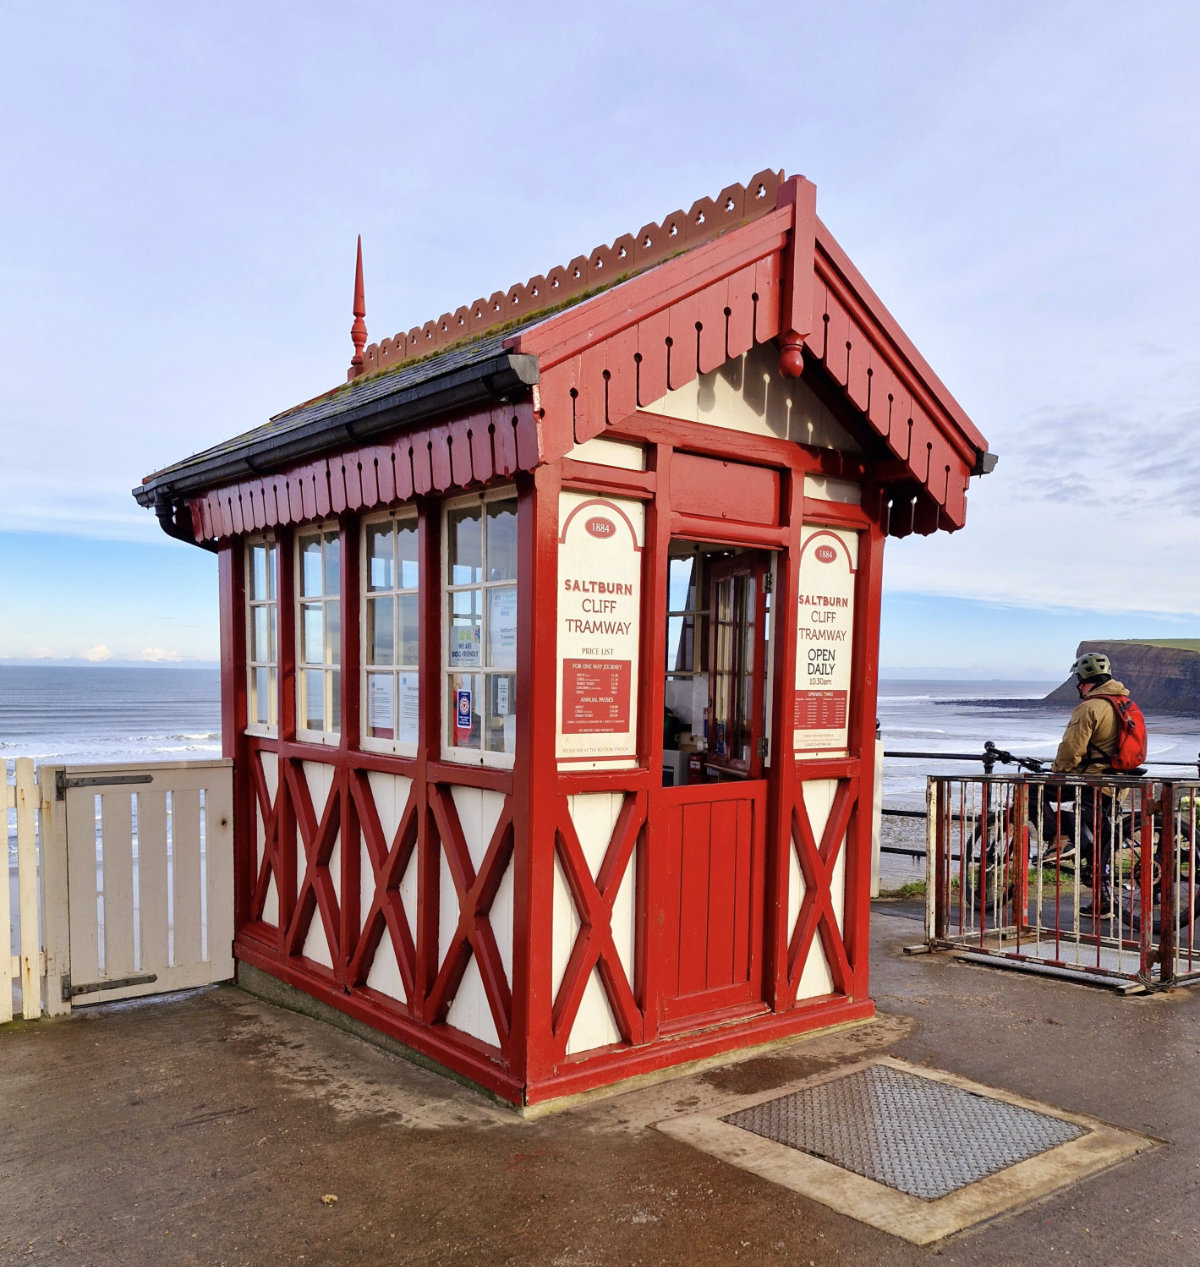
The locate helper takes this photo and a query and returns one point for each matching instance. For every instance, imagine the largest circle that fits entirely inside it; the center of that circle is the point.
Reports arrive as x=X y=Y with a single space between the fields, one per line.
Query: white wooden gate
x=136 y=881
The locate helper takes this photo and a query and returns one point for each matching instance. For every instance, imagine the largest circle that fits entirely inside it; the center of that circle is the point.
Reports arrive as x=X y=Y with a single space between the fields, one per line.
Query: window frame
x=399 y=747
x=450 y=751
x=270 y=728
x=329 y=668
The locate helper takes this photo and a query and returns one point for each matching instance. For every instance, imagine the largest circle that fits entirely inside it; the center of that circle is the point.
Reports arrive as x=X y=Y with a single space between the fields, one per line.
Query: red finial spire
x=358 y=331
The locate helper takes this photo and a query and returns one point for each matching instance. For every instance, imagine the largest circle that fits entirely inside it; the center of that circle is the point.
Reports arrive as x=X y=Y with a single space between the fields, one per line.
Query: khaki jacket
x=1090 y=738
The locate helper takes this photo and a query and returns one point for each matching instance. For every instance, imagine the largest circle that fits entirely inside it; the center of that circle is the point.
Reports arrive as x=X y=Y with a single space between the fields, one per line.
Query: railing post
x=56 y=912
x=935 y=846
x=1168 y=905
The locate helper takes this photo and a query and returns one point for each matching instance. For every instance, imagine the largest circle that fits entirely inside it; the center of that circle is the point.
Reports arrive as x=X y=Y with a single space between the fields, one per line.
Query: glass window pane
x=464 y=545
x=271 y=571
x=261 y=650
x=333 y=633
x=410 y=613
x=274 y=634
x=312 y=706
x=502 y=540
x=379 y=557
x=381 y=640
x=674 y=634
x=333 y=721
x=258 y=706
x=310 y=567
x=406 y=552
x=333 y=563
x=502 y=627
x=467 y=603
x=462 y=709
x=313 y=632
x=258 y=571
x=679 y=583
x=502 y=712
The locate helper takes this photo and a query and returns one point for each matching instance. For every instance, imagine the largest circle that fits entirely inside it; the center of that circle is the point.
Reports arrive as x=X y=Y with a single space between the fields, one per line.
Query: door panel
x=712 y=850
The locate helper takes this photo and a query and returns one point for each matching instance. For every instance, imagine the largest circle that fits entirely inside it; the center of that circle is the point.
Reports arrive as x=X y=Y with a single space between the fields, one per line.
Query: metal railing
x=1090 y=877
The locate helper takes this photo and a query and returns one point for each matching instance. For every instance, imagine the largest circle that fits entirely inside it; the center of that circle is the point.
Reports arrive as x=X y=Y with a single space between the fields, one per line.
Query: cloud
x=40 y=653
x=96 y=654
x=156 y=655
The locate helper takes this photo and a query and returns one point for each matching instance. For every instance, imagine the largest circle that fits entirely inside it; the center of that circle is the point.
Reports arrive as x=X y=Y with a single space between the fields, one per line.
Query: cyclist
x=1087 y=747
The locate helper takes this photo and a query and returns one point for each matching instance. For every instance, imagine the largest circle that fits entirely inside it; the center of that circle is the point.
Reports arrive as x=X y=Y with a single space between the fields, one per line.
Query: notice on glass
x=380 y=705
x=502 y=628
x=410 y=708
x=599 y=627
x=464 y=646
x=824 y=641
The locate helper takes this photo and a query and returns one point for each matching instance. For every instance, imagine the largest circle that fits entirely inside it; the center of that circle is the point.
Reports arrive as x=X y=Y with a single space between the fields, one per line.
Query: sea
x=84 y=715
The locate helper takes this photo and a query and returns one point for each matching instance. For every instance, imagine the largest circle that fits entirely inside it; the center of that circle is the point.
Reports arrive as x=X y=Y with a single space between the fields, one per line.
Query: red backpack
x=1131 y=733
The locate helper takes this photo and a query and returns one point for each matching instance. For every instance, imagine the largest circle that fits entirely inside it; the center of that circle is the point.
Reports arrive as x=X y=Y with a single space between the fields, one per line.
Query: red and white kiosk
x=550 y=646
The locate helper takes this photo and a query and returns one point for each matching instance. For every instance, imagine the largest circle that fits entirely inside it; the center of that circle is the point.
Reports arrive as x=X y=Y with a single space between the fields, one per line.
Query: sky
x=184 y=186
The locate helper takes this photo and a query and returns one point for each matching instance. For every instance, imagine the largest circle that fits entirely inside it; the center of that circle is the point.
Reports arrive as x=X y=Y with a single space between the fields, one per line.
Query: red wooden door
x=711 y=848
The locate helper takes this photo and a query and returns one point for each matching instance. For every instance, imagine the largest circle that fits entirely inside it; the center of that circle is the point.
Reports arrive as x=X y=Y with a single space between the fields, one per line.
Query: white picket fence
x=121 y=884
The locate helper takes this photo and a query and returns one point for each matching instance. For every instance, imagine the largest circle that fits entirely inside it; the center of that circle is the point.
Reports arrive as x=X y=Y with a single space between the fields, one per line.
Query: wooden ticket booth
x=550 y=644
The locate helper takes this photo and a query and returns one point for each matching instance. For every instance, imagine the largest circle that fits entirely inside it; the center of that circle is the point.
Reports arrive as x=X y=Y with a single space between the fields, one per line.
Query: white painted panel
x=271 y=903
x=826 y=488
x=565 y=927
x=749 y=394
x=594 y=815
x=629 y=457
x=624 y=920
x=594 y=1025
x=335 y=867
x=469 y=1011
x=816 y=978
x=501 y=918
x=796 y=891
x=447 y=909
x=390 y=794
x=468 y=801
x=260 y=839
x=319 y=778
x=408 y=893
x=385 y=971
x=316 y=945
x=366 y=884
x=838 y=885
x=818 y=801
x=270 y=769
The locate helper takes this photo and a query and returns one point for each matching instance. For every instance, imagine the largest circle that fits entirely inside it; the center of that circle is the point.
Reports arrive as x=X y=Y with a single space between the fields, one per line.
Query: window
x=481 y=630
x=262 y=635
x=391 y=625
x=318 y=633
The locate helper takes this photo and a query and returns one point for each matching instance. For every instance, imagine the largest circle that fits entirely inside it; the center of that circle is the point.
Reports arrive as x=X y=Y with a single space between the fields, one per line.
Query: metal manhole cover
x=914 y=1134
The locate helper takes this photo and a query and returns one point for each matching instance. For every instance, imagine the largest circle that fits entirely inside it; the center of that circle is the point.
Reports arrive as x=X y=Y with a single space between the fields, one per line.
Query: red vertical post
x=231 y=581
x=649 y=934
x=535 y=774
x=865 y=676
x=429 y=670
x=781 y=792
x=350 y=881
x=286 y=818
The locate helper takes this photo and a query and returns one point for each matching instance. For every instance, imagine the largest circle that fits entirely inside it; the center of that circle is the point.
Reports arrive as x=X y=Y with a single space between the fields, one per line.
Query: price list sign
x=599 y=627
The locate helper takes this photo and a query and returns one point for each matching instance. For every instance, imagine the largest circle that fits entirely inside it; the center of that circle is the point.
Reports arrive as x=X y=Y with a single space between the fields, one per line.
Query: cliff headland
x=1163 y=676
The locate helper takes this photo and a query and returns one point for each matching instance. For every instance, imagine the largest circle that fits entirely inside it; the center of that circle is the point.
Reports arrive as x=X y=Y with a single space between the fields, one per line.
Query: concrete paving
x=216 y=1129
